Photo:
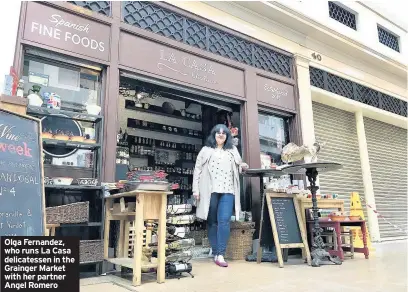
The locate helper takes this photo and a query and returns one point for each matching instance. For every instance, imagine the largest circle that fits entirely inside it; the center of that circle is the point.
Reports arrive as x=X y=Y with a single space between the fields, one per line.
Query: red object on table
x=337 y=225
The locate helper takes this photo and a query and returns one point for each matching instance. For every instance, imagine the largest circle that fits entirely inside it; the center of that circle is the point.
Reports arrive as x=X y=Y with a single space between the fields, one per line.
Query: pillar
x=111 y=99
x=305 y=100
x=305 y=104
x=367 y=180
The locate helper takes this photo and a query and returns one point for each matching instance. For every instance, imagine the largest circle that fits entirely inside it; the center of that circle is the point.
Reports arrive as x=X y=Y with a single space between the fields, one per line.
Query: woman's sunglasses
x=221 y=133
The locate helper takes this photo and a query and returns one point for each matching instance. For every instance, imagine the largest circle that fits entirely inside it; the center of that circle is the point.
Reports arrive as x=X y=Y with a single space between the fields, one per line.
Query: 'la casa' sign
x=56 y=28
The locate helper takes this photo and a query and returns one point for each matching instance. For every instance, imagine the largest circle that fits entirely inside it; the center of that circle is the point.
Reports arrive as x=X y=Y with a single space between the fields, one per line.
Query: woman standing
x=216 y=188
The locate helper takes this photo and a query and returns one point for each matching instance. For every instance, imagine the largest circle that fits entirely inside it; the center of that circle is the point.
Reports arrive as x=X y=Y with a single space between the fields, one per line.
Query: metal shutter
x=338 y=129
x=387 y=150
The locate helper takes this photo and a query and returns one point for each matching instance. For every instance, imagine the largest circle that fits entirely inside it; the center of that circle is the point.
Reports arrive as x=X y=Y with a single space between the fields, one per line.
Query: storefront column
x=305 y=104
x=305 y=100
x=367 y=180
x=111 y=99
x=252 y=145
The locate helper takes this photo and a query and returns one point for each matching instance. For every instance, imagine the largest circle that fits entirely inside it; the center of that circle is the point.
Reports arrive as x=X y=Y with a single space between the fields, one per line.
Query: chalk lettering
x=6 y=133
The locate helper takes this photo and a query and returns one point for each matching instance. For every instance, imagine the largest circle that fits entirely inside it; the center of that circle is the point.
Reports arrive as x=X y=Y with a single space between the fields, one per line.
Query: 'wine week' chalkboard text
x=21 y=178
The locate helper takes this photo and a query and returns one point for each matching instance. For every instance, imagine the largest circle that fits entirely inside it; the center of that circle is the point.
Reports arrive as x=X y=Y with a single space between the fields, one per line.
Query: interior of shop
x=161 y=128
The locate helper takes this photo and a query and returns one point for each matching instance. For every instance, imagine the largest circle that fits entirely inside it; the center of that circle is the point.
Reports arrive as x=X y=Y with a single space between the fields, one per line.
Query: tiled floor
x=385 y=271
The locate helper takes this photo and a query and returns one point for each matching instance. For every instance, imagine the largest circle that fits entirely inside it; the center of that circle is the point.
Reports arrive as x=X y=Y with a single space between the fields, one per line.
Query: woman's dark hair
x=211 y=142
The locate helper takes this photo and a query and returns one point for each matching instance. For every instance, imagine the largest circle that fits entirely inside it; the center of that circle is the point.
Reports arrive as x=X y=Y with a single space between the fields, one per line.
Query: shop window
x=66 y=90
x=76 y=86
x=273 y=136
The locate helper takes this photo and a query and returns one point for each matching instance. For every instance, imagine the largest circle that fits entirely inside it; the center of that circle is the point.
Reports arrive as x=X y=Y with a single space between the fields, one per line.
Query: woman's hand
x=197 y=196
x=244 y=166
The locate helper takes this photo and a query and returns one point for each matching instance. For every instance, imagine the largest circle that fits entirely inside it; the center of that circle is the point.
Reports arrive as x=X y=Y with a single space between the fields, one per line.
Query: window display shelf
x=134 y=126
x=85 y=224
x=72 y=187
x=68 y=167
x=70 y=144
x=43 y=111
x=160 y=113
x=178 y=147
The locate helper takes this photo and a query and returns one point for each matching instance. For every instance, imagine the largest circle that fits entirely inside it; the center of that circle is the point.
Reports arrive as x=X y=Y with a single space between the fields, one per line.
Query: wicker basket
x=71 y=213
x=239 y=244
x=242 y=225
x=90 y=251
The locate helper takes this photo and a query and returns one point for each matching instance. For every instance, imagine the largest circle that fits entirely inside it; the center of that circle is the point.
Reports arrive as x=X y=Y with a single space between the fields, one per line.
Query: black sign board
x=22 y=205
x=286 y=222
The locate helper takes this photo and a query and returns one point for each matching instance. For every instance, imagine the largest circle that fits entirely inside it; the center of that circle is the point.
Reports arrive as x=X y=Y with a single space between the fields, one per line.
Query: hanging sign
x=276 y=93
x=55 y=28
x=168 y=62
x=22 y=205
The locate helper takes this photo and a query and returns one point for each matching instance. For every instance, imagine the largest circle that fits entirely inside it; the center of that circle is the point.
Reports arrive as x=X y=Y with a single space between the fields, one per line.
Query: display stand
x=150 y=205
x=319 y=254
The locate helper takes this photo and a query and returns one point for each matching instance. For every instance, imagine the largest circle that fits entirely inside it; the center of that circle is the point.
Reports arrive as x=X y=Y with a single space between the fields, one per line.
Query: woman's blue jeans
x=219 y=216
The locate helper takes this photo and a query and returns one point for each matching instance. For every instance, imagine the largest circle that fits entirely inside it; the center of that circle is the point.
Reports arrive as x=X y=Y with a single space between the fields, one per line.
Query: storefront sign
x=21 y=187
x=58 y=29
x=276 y=93
x=158 y=59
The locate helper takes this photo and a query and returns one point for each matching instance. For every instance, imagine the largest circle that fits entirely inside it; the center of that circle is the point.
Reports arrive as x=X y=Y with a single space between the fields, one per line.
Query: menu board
x=21 y=176
x=286 y=221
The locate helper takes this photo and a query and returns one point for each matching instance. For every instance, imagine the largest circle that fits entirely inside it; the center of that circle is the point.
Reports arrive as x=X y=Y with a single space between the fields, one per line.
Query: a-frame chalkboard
x=22 y=202
x=287 y=226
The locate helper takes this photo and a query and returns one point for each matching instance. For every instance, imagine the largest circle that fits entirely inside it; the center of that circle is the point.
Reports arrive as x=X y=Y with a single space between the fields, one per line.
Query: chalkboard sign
x=286 y=222
x=22 y=205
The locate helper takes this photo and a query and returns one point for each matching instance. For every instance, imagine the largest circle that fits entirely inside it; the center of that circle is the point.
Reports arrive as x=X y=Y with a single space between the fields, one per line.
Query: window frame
x=398 y=38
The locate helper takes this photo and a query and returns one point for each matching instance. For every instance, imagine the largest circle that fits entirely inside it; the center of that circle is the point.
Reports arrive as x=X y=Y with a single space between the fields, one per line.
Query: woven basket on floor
x=90 y=251
x=239 y=244
x=242 y=225
x=71 y=213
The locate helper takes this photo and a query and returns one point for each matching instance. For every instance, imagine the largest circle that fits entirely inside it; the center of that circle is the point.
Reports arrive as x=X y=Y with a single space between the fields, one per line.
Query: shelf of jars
x=72 y=162
x=161 y=128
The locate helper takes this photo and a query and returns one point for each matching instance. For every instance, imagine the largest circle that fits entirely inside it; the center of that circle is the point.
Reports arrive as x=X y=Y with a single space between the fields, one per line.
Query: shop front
x=139 y=85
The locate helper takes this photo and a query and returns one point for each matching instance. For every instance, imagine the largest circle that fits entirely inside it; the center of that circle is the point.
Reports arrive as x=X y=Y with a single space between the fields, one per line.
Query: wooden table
x=150 y=205
x=305 y=203
x=337 y=225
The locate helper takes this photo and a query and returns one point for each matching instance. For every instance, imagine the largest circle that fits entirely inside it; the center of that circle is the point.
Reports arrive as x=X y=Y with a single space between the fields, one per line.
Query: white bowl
x=66 y=181
x=93 y=109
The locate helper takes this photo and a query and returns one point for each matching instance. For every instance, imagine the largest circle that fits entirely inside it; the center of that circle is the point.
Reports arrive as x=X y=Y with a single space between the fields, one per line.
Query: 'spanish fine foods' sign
x=21 y=188
x=175 y=64
x=276 y=93
x=49 y=26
